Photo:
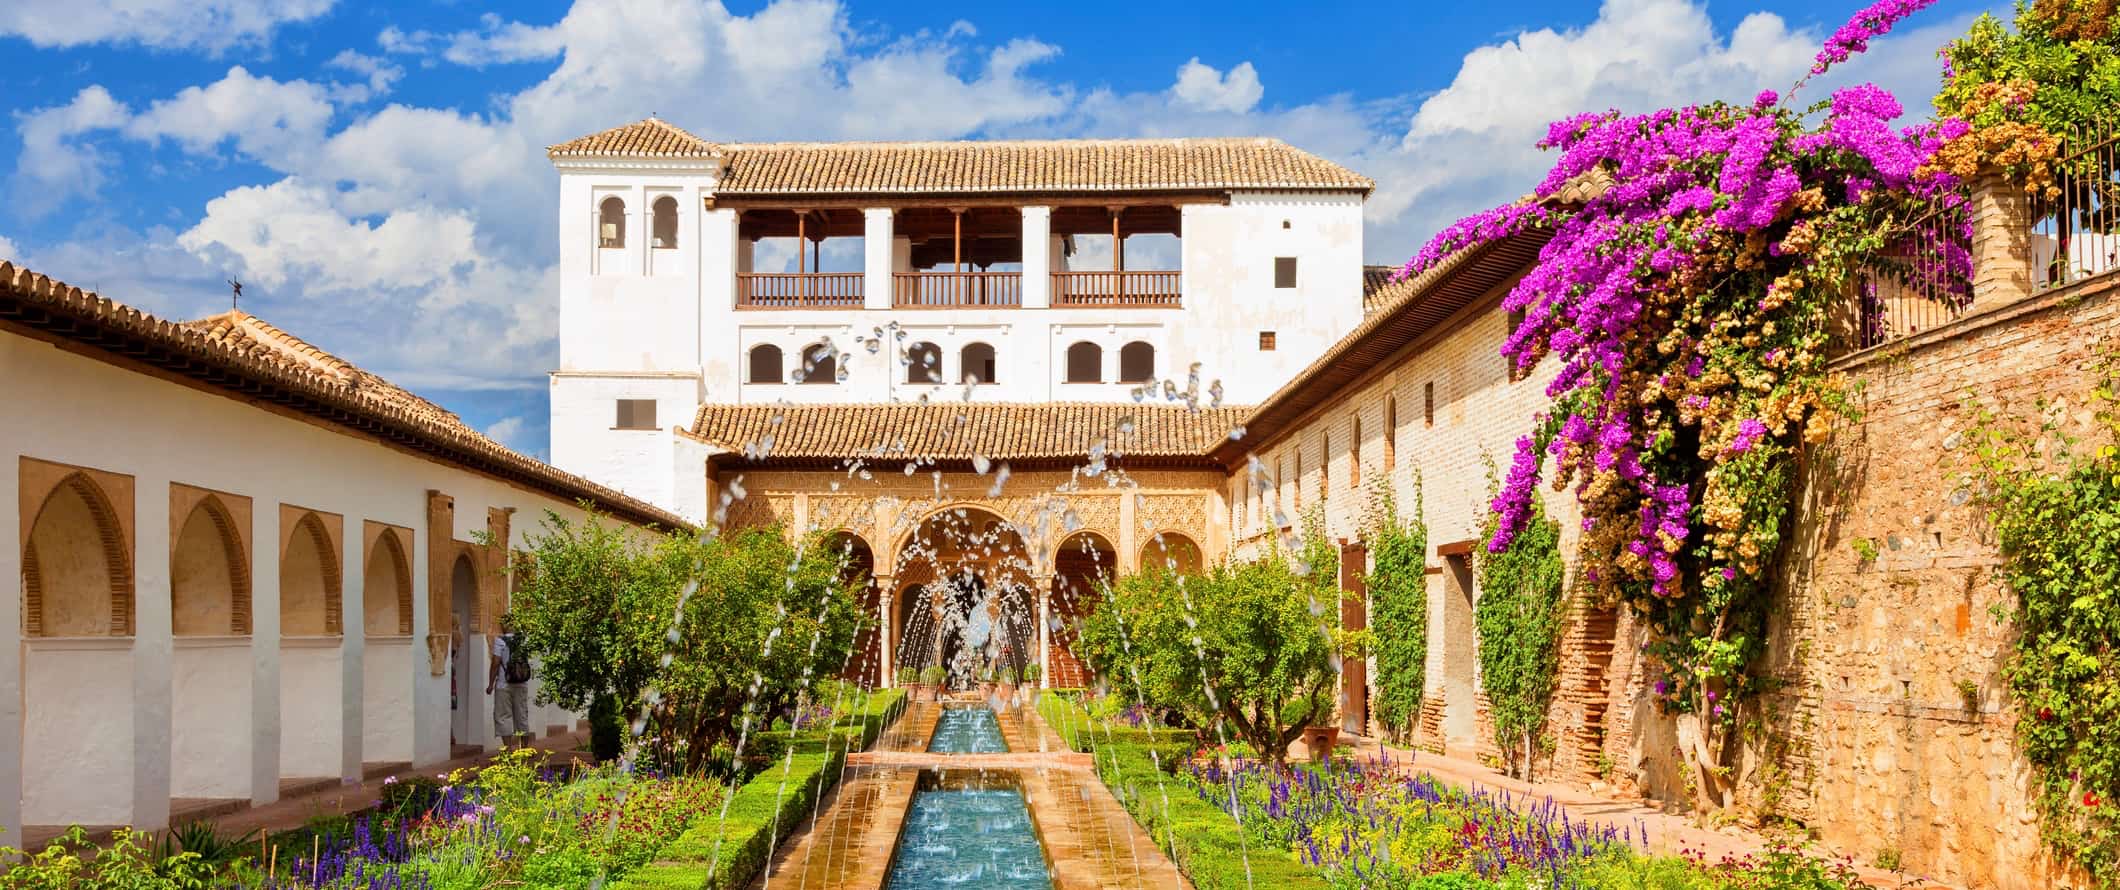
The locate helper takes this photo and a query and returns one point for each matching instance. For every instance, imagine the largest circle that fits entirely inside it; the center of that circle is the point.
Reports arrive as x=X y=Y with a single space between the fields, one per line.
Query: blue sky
x=375 y=173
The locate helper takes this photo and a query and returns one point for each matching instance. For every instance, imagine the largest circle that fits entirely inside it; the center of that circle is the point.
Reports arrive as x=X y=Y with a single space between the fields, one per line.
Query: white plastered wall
x=74 y=410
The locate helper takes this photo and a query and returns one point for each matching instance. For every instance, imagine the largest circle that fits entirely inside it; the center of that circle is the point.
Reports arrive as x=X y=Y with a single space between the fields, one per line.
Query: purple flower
x=1749 y=432
x=1854 y=37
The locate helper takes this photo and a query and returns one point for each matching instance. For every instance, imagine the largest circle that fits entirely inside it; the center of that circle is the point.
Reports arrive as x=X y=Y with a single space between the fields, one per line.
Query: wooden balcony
x=798 y=290
x=1116 y=290
x=957 y=290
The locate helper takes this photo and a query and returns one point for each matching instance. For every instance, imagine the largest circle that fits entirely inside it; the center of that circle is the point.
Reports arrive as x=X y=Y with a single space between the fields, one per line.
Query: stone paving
x=1090 y=840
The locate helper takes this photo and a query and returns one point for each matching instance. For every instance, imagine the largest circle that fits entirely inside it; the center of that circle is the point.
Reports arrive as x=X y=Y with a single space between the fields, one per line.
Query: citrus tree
x=1248 y=645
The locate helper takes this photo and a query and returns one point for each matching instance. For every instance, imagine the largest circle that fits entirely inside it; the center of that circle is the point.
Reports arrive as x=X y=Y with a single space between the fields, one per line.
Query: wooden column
x=1118 y=259
x=957 y=254
x=802 y=289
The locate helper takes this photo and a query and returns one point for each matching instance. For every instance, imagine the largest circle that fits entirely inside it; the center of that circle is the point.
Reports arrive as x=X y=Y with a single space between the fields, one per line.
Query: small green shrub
x=123 y=864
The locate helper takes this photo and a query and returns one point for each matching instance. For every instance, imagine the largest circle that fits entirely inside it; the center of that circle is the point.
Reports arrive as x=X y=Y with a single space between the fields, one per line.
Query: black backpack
x=518 y=668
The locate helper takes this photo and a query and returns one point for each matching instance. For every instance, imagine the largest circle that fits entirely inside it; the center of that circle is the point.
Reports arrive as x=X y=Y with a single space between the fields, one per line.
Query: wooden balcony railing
x=957 y=290
x=1116 y=290
x=798 y=290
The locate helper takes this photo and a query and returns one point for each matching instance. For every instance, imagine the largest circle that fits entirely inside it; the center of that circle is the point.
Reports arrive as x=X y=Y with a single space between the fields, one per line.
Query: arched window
x=1085 y=363
x=386 y=588
x=309 y=581
x=923 y=363
x=76 y=573
x=765 y=364
x=1391 y=433
x=665 y=223
x=209 y=574
x=1137 y=362
x=1354 y=457
x=611 y=222
x=977 y=361
x=820 y=364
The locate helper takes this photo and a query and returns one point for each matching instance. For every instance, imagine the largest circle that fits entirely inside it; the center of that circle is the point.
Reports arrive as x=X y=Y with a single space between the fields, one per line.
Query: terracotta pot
x=1006 y=692
x=1320 y=740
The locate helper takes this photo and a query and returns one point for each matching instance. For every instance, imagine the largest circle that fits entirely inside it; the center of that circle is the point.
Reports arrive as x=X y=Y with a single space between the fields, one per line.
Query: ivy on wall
x=1398 y=610
x=1519 y=616
x=2054 y=500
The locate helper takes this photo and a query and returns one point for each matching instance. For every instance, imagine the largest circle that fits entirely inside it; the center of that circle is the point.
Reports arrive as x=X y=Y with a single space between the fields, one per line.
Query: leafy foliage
x=121 y=864
x=2055 y=504
x=1398 y=612
x=1519 y=615
x=1241 y=645
x=603 y=606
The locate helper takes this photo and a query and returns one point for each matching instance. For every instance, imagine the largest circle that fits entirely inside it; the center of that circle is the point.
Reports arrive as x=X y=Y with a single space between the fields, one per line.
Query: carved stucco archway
x=77 y=577
x=209 y=572
x=311 y=591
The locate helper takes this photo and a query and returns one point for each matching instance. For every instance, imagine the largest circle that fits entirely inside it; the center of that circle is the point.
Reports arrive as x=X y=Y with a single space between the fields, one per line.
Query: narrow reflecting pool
x=969 y=831
x=973 y=730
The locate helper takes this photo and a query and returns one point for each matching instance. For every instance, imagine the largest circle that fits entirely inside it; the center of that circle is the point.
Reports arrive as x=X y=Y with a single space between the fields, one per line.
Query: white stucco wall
x=88 y=727
x=388 y=674
x=210 y=753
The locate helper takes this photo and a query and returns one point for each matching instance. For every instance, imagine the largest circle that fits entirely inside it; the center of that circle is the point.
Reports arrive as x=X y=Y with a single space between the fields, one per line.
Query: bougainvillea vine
x=1695 y=257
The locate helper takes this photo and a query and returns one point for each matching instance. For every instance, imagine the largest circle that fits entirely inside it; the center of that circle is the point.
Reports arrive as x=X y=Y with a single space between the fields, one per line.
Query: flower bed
x=1379 y=824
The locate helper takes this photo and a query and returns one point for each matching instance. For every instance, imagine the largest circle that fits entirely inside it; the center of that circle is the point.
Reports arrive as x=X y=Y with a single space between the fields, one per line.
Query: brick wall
x=1872 y=731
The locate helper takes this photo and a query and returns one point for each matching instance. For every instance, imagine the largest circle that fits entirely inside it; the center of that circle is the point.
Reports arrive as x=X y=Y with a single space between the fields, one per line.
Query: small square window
x=1284 y=271
x=1265 y=341
x=636 y=414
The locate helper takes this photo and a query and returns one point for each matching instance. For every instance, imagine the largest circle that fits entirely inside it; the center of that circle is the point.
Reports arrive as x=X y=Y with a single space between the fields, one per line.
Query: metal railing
x=1117 y=290
x=1922 y=279
x=798 y=290
x=957 y=290
x=2076 y=221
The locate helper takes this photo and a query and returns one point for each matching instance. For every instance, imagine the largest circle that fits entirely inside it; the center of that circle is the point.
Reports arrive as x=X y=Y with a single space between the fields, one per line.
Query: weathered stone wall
x=1892 y=603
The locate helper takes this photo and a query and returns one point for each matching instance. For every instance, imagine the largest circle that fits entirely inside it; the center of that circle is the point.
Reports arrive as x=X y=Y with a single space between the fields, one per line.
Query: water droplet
x=1236 y=432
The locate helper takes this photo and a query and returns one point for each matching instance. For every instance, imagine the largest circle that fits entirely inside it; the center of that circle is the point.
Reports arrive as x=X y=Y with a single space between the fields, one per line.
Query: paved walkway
x=1669 y=833
x=1090 y=840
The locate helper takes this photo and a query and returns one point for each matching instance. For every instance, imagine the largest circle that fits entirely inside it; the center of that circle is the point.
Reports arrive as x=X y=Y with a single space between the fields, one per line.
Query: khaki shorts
x=511 y=709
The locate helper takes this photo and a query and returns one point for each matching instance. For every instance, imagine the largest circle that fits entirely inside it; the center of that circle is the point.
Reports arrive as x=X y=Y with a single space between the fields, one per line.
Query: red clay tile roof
x=982 y=167
x=957 y=432
x=650 y=138
x=250 y=359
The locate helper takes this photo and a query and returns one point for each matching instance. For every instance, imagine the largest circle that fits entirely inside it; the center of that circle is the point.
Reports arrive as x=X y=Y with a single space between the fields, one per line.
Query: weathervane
x=235 y=293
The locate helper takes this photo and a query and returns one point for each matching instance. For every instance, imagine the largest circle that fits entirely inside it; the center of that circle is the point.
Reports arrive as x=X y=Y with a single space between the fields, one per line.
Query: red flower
x=2090 y=799
x=2046 y=715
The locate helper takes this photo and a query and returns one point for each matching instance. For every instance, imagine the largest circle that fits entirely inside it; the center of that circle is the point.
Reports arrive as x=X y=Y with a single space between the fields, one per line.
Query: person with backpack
x=511 y=699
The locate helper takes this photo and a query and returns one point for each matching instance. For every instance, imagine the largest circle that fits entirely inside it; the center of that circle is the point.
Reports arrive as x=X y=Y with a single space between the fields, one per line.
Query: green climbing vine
x=1519 y=616
x=1398 y=609
x=2053 y=495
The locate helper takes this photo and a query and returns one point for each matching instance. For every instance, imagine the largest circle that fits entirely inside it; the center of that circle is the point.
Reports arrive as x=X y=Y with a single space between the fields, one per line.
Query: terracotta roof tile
x=970 y=167
x=649 y=138
x=949 y=431
x=249 y=358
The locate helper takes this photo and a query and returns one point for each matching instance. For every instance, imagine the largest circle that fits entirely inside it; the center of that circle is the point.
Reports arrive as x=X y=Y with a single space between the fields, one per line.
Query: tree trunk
x=1711 y=789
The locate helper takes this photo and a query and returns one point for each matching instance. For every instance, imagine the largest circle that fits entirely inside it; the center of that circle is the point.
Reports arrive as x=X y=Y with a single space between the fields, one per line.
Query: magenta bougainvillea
x=1687 y=302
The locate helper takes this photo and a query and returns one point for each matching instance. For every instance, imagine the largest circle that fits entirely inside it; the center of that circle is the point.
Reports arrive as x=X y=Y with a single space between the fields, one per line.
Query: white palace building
x=1062 y=271
x=238 y=566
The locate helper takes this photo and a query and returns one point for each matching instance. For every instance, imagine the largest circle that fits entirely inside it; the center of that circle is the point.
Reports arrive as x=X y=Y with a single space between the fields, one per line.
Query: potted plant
x=1031 y=673
x=909 y=680
x=931 y=679
x=1005 y=685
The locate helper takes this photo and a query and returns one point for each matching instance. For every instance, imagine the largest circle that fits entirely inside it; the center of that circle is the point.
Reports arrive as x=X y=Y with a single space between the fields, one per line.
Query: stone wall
x=1893 y=596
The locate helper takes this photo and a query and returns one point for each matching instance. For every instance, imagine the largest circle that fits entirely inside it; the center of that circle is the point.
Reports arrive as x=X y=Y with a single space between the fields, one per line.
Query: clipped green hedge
x=767 y=808
x=1200 y=837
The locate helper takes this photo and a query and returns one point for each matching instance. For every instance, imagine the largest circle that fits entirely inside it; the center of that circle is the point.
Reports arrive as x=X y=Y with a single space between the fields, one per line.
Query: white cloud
x=1201 y=86
x=54 y=164
x=501 y=41
x=8 y=250
x=265 y=118
x=381 y=74
x=507 y=430
x=161 y=24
